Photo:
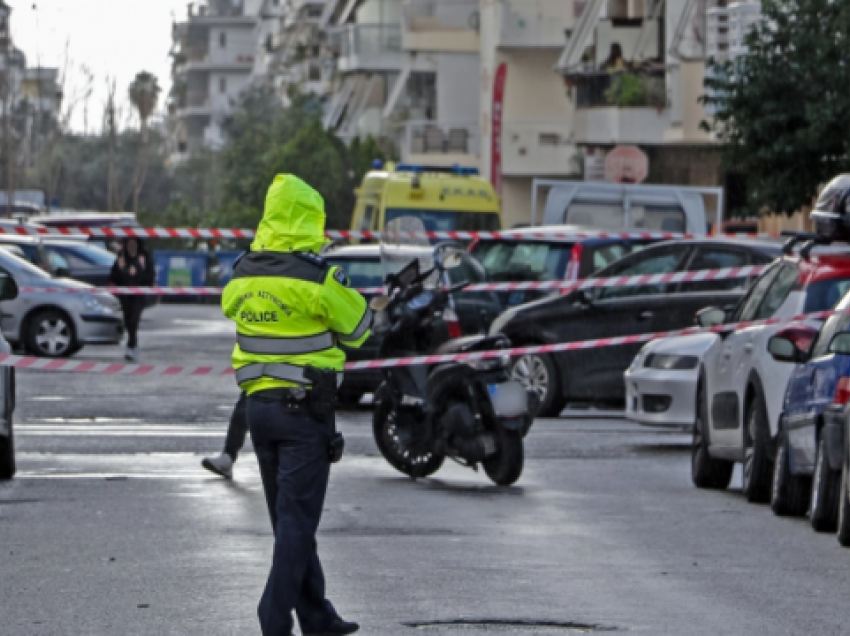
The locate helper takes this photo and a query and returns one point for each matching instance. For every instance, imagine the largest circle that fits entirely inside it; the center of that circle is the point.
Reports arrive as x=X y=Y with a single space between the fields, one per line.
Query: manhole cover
x=506 y=626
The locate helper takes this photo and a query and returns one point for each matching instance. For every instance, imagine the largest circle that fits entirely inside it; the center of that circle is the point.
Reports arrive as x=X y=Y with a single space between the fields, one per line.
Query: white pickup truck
x=619 y=207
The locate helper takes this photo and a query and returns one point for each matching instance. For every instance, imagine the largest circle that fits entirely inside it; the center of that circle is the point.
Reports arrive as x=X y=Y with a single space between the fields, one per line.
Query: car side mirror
x=792 y=344
x=585 y=297
x=62 y=272
x=710 y=317
x=840 y=343
x=379 y=303
x=8 y=287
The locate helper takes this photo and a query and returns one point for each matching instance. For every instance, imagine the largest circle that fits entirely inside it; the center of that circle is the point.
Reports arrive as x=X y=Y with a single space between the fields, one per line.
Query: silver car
x=56 y=323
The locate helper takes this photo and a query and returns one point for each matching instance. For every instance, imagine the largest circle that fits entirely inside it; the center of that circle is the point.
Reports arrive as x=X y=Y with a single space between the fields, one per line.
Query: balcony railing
x=620 y=90
x=366 y=39
x=440 y=139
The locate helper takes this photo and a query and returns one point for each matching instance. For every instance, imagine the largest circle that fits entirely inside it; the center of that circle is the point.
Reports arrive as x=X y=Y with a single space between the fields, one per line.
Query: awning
x=399 y=85
x=571 y=56
x=340 y=101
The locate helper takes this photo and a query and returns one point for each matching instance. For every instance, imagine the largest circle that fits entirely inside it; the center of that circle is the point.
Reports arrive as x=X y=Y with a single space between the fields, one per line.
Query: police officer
x=291 y=309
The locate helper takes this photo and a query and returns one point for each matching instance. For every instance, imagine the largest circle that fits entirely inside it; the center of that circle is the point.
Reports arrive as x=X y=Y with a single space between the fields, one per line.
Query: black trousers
x=132 y=308
x=238 y=427
x=292 y=450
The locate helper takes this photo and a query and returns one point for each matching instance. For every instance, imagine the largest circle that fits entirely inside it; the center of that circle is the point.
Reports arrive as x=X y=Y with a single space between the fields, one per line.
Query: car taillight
x=842 y=391
x=450 y=318
x=573 y=266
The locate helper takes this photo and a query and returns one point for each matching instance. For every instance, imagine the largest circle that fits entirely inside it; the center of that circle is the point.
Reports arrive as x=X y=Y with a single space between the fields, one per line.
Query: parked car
x=741 y=387
x=541 y=257
x=661 y=383
x=596 y=375
x=63 y=258
x=56 y=323
x=8 y=292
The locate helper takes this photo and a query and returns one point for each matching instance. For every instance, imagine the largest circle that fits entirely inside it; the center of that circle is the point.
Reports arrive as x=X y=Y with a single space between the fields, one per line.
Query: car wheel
x=825 y=486
x=758 y=469
x=706 y=471
x=789 y=496
x=50 y=334
x=538 y=373
x=844 y=506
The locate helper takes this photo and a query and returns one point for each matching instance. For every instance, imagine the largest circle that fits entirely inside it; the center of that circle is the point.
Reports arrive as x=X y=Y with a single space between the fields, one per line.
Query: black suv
x=596 y=375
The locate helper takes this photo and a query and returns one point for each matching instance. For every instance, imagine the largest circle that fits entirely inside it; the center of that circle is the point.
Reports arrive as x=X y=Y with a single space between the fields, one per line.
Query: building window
x=222 y=39
x=222 y=84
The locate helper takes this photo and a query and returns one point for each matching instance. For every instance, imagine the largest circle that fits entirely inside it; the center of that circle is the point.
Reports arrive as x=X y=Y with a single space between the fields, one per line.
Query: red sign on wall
x=496 y=129
x=626 y=164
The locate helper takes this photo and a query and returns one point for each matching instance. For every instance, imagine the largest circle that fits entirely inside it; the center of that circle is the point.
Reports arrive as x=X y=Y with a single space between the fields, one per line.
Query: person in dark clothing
x=233 y=443
x=133 y=268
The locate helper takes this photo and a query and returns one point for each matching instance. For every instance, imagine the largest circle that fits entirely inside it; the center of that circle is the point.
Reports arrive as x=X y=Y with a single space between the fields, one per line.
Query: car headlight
x=93 y=304
x=490 y=364
x=668 y=362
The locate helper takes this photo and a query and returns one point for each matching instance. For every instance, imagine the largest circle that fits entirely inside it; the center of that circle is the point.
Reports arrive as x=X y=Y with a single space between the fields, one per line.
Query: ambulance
x=445 y=199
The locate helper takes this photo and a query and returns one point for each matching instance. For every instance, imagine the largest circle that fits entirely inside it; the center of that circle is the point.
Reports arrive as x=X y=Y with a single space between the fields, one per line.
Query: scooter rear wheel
x=505 y=467
x=414 y=460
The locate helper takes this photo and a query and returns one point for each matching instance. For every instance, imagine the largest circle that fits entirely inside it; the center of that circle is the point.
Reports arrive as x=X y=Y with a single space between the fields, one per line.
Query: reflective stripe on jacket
x=290 y=311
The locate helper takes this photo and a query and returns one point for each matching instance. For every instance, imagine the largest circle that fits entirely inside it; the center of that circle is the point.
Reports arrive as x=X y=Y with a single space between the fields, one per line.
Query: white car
x=661 y=384
x=740 y=387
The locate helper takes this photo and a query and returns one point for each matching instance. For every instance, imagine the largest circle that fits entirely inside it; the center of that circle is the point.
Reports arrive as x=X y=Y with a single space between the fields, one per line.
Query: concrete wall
x=458 y=88
x=240 y=42
x=516 y=201
x=235 y=83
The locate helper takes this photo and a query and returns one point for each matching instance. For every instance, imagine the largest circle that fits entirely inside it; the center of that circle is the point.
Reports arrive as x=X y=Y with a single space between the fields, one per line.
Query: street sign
x=626 y=164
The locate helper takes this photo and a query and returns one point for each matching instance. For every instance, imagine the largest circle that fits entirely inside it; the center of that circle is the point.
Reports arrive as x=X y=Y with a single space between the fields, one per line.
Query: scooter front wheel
x=399 y=446
x=505 y=467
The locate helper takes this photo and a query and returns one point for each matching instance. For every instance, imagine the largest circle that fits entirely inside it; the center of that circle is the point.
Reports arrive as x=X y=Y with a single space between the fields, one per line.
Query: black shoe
x=338 y=626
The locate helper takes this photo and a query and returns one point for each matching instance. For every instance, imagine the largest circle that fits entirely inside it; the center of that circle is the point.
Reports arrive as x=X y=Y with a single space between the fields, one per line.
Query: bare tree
x=110 y=128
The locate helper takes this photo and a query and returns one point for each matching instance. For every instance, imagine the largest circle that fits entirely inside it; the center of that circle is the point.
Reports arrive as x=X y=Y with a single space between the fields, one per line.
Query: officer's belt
x=285 y=346
x=276 y=371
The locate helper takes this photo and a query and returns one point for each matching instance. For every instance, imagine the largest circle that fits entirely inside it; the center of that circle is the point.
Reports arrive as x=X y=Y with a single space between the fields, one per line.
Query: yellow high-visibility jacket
x=290 y=308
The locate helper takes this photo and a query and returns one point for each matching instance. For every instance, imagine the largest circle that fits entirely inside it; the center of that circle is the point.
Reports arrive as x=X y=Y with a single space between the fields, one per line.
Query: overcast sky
x=116 y=38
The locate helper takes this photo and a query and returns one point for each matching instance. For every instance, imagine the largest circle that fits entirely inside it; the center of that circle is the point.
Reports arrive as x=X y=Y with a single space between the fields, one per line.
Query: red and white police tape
x=614 y=281
x=217 y=233
x=105 y=368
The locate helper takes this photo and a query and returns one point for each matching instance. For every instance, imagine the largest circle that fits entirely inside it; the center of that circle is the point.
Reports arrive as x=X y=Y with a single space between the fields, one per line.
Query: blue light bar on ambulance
x=464 y=171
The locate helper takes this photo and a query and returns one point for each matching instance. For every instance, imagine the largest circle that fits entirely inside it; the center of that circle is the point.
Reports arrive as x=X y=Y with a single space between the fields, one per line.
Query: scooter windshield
x=403 y=243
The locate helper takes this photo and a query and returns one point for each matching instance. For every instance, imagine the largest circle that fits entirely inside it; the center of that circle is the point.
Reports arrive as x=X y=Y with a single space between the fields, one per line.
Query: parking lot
x=604 y=530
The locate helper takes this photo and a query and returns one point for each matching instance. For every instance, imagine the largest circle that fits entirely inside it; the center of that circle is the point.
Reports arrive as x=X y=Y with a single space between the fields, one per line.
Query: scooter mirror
x=452 y=260
x=379 y=303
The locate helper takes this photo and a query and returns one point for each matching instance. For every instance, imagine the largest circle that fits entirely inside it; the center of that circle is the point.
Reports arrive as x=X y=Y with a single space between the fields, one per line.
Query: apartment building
x=635 y=69
x=214 y=58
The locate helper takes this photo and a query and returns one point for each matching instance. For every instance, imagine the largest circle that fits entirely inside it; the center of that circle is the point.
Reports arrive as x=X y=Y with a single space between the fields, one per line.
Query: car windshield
x=523 y=261
x=361 y=272
x=824 y=294
x=449 y=220
x=92 y=254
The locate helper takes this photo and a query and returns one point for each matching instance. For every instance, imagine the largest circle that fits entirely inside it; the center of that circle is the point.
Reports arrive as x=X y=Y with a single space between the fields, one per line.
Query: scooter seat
x=468 y=344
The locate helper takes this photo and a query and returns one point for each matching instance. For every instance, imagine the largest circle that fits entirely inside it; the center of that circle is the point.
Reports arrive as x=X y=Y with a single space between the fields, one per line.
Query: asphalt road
x=112 y=528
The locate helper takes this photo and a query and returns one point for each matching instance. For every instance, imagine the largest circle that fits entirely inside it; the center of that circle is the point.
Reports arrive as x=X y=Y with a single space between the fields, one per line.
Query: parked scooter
x=471 y=412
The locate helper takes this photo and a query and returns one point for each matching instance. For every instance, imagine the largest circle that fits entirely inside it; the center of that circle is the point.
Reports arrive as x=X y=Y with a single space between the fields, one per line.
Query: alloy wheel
x=530 y=371
x=53 y=336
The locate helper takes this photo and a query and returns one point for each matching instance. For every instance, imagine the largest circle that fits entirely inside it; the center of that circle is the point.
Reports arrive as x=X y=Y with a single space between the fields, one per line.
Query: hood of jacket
x=293 y=220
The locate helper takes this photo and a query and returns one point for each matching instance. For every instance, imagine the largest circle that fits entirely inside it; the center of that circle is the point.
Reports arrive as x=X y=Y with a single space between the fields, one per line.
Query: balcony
x=368 y=47
x=441 y=143
x=536 y=24
x=440 y=26
x=196 y=104
x=538 y=148
x=219 y=62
